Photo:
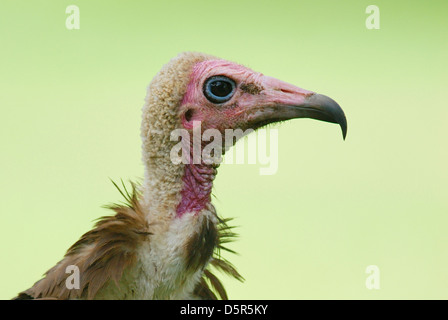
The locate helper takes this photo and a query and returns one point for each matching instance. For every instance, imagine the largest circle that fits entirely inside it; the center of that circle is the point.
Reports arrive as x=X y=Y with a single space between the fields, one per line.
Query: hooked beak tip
x=326 y=109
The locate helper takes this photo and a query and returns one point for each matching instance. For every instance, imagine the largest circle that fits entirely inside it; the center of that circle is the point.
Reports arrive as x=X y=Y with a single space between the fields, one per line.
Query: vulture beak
x=320 y=107
x=281 y=101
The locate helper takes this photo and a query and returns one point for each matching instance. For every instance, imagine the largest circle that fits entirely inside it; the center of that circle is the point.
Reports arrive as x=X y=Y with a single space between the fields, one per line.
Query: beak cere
x=282 y=101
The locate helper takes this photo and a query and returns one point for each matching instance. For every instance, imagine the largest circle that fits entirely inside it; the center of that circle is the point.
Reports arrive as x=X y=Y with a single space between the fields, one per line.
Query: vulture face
x=224 y=95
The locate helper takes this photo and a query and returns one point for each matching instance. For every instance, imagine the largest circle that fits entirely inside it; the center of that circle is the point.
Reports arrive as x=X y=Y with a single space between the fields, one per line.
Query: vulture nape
x=163 y=241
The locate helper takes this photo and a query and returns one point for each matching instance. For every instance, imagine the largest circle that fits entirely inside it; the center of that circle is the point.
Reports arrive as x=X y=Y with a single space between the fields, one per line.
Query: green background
x=70 y=114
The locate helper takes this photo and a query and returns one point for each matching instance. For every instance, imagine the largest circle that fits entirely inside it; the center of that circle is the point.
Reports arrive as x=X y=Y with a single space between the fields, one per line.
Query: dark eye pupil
x=220 y=88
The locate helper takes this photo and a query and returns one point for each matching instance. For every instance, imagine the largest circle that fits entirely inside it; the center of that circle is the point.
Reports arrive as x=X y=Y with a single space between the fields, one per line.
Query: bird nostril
x=189 y=115
x=286 y=91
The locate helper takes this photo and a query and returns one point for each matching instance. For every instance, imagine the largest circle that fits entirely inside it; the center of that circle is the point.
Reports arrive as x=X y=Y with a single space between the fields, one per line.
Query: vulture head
x=195 y=91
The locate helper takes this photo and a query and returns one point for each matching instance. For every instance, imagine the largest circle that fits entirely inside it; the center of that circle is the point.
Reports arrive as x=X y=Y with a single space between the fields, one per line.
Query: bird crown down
x=163 y=242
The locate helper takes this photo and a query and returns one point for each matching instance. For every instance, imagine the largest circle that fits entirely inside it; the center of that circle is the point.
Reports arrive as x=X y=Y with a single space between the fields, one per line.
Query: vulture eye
x=219 y=89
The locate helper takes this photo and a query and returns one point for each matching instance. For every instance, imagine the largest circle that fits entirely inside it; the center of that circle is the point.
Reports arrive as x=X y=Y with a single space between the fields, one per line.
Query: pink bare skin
x=258 y=100
x=243 y=107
